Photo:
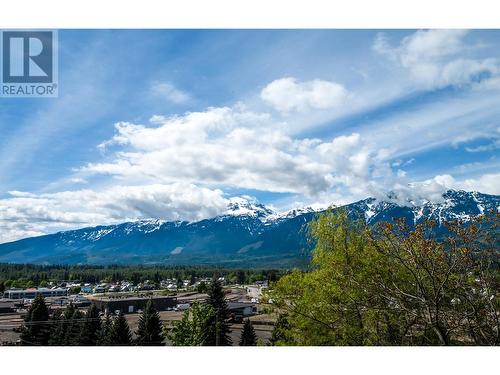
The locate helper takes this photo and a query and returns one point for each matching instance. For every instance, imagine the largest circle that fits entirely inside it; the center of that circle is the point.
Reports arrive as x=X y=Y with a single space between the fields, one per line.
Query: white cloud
x=487 y=183
x=406 y=192
x=450 y=121
x=484 y=148
x=287 y=95
x=26 y=214
x=78 y=180
x=171 y=93
x=492 y=145
x=434 y=58
x=231 y=147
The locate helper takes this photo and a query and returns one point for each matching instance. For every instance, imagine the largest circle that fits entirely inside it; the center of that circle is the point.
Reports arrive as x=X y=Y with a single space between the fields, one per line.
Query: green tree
x=192 y=279
x=323 y=306
x=279 y=335
x=394 y=285
x=202 y=287
x=217 y=332
x=74 y=328
x=36 y=329
x=104 y=336
x=91 y=327
x=248 y=337
x=75 y=290
x=58 y=333
x=191 y=330
x=55 y=322
x=43 y=284
x=29 y=284
x=149 y=331
x=120 y=331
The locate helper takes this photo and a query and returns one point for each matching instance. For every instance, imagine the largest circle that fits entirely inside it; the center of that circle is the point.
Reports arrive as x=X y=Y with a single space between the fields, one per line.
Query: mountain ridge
x=247 y=233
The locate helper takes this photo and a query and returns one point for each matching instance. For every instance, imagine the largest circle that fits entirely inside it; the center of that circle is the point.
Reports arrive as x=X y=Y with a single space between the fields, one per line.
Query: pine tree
x=248 y=337
x=149 y=331
x=104 y=336
x=36 y=329
x=91 y=327
x=58 y=333
x=120 y=332
x=55 y=327
x=74 y=328
x=217 y=331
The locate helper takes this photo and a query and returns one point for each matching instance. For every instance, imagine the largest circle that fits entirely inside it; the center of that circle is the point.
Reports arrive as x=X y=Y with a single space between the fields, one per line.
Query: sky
x=171 y=124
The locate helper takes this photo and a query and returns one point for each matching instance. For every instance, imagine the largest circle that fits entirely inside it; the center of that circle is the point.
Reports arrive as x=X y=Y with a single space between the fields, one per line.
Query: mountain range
x=248 y=234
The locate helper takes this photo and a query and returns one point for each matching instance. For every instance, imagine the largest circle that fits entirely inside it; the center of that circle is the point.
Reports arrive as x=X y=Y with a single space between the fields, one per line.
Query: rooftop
x=117 y=298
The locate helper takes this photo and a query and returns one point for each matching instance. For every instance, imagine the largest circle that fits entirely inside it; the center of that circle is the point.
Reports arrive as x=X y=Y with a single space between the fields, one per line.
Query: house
x=87 y=289
x=80 y=301
x=114 y=288
x=133 y=304
x=100 y=289
x=240 y=310
x=125 y=287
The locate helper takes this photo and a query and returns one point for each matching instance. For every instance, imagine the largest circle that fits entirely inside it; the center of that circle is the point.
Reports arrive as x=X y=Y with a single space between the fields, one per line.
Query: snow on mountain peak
x=247 y=206
x=289 y=214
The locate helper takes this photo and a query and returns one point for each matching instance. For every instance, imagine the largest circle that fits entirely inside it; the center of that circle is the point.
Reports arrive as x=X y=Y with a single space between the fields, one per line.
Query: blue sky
x=171 y=124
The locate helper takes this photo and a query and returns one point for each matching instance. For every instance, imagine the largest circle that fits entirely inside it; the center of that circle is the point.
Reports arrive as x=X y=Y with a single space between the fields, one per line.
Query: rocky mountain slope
x=247 y=234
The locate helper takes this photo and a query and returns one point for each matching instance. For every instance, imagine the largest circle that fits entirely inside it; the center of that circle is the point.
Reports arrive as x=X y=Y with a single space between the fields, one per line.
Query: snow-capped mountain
x=246 y=206
x=246 y=234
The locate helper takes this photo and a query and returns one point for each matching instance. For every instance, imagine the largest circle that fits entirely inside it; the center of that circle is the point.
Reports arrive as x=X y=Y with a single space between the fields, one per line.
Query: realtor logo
x=29 y=64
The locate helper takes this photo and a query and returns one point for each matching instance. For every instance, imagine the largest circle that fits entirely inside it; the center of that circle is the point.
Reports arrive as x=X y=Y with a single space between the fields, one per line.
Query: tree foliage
x=218 y=329
x=206 y=323
x=89 y=334
x=194 y=327
x=149 y=331
x=248 y=337
x=393 y=285
x=280 y=334
x=35 y=330
x=74 y=328
x=120 y=331
x=104 y=336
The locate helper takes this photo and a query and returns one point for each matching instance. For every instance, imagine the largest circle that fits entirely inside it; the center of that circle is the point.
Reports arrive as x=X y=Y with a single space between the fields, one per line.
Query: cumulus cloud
x=416 y=193
x=25 y=214
x=434 y=58
x=487 y=183
x=232 y=147
x=171 y=93
x=287 y=95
